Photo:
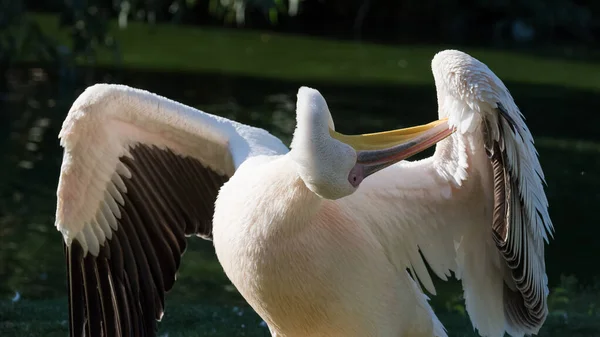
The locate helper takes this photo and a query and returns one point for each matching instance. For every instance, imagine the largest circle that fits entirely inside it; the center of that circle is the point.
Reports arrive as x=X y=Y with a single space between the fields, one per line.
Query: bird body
x=296 y=266
x=329 y=238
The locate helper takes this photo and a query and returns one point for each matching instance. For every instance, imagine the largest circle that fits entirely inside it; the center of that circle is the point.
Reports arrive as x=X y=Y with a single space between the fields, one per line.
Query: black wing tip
x=525 y=310
x=519 y=315
x=121 y=291
x=75 y=290
x=92 y=301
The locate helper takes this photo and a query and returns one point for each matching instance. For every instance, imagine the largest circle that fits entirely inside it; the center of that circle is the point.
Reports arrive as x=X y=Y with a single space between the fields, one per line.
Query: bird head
x=333 y=165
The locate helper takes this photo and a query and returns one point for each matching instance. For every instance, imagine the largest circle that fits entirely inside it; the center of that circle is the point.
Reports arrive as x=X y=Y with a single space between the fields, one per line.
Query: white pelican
x=314 y=249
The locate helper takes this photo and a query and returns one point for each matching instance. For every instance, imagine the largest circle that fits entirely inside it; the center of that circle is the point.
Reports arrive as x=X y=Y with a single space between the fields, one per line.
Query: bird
x=335 y=235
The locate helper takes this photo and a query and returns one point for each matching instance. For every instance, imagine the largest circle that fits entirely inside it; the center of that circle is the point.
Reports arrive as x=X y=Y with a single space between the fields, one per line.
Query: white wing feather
x=102 y=125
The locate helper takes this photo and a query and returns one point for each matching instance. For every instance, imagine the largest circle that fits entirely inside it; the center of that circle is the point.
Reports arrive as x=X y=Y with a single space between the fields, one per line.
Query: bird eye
x=355 y=176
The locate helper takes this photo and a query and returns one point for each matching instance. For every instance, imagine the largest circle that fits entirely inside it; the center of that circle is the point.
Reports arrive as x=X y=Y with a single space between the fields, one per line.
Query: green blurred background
x=245 y=60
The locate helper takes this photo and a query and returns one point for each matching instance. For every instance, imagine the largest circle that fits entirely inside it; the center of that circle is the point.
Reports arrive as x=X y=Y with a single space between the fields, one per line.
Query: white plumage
x=318 y=239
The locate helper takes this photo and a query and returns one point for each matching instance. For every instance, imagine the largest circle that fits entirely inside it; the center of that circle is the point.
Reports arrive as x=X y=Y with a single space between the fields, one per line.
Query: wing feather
x=520 y=221
x=476 y=208
x=139 y=174
x=513 y=234
x=519 y=218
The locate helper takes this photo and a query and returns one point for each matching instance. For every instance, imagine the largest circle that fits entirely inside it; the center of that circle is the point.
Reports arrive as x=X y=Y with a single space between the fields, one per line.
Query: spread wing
x=139 y=174
x=520 y=221
x=476 y=208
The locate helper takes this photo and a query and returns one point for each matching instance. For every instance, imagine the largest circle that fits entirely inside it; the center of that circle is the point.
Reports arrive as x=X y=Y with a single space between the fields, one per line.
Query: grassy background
x=288 y=57
x=49 y=319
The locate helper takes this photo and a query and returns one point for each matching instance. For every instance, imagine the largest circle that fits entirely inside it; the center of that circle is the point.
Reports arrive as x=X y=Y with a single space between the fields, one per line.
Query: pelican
x=331 y=237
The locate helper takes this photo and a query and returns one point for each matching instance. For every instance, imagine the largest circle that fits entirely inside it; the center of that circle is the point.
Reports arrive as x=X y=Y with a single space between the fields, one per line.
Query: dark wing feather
x=121 y=291
x=524 y=298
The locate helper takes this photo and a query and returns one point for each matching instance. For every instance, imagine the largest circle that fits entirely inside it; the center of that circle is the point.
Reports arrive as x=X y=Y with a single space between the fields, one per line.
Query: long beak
x=376 y=151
